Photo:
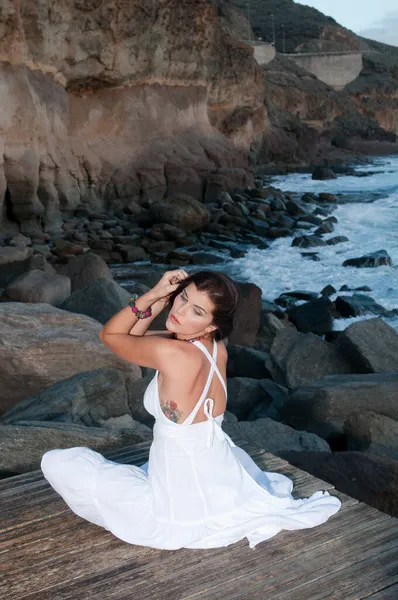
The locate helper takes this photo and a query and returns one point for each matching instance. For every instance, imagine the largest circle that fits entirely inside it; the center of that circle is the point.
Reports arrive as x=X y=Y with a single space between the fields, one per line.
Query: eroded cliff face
x=108 y=102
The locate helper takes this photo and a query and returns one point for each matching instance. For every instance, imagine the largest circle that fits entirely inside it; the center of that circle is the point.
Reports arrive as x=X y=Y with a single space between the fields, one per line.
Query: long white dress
x=198 y=489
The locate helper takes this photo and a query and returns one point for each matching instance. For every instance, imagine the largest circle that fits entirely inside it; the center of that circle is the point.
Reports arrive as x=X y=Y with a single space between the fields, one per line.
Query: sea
x=367 y=214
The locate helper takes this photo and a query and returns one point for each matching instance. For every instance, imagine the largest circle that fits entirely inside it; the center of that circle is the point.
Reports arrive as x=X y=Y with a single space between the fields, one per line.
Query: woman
x=198 y=489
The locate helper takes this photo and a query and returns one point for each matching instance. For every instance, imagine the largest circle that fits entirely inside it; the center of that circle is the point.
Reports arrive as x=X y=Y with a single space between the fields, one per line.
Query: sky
x=375 y=19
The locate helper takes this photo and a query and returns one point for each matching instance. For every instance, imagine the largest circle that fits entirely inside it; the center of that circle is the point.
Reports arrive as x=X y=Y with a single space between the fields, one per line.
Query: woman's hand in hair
x=168 y=284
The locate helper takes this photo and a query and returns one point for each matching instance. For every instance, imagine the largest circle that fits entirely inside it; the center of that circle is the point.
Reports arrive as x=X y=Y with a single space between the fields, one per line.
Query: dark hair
x=223 y=293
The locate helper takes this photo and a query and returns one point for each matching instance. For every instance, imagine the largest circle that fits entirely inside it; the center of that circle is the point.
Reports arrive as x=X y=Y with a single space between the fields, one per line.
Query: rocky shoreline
x=296 y=387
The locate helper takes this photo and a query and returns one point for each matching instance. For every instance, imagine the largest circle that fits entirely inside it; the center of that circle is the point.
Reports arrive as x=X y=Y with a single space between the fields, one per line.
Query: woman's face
x=191 y=314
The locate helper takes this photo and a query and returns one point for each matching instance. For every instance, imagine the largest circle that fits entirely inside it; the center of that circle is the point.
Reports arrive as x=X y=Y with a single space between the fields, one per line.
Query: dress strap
x=213 y=368
x=212 y=360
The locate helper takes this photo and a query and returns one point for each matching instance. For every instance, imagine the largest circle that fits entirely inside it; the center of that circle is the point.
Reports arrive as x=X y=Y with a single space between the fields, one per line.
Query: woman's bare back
x=180 y=389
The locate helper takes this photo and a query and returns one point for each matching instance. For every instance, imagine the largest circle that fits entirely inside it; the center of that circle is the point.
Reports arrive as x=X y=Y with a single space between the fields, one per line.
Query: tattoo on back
x=171 y=410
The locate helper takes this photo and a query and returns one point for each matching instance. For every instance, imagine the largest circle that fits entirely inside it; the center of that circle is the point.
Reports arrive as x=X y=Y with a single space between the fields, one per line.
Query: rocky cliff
x=108 y=102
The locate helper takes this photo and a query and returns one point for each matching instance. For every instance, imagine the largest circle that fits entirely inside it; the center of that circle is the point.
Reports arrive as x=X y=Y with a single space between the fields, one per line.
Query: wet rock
x=312 y=316
x=323 y=173
x=338 y=239
x=358 y=304
x=308 y=241
x=372 y=260
x=182 y=211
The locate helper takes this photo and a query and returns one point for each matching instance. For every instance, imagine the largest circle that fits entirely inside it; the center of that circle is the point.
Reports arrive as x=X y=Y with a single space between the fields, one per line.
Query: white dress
x=198 y=489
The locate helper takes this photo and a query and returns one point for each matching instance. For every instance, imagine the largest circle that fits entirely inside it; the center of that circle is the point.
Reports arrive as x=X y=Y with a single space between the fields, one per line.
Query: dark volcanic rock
x=370 y=479
x=324 y=405
x=374 y=259
x=299 y=358
x=371 y=345
x=101 y=299
x=312 y=316
x=358 y=304
x=368 y=431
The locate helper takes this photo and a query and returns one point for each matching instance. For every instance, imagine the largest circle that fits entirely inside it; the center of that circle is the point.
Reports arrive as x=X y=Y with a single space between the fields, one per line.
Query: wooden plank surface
x=48 y=553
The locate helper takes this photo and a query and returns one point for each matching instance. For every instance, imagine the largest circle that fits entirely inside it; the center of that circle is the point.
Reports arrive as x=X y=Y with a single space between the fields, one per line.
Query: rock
x=338 y=239
x=323 y=406
x=100 y=300
x=20 y=240
x=247 y=315
x=308 y=241
x=84 y=399
x=271 y=406
x=182 y=211
x=372 y=260
x=370 y=479
x=325 y=227
x=274 y=437
x=358 y=304
x=40 y=345
x=132 y=253
x=246 y=362
x=269 y=326
x=22 y=445
x=244 y=394
x=11 y=254
x=367 y=431
x=328 y=290
x=84 y=269
x=205 y=258
x=323 y=173
x=297 y=358
x=37 y=286
x=312 y=316
x=9 y=272
x=372 y=346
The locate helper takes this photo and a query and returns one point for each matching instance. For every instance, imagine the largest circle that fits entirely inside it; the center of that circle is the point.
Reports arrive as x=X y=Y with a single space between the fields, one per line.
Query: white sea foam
x=368 y=226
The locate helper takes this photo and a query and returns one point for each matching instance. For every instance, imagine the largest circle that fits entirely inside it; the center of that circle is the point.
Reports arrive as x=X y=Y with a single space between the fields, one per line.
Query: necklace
x=200 y=337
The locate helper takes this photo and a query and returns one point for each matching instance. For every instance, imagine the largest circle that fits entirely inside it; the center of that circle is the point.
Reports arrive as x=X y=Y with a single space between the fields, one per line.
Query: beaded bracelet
x=140 y=314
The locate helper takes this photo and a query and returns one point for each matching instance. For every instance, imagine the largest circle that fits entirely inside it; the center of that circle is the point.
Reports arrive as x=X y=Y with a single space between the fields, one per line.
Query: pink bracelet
x=141 y=314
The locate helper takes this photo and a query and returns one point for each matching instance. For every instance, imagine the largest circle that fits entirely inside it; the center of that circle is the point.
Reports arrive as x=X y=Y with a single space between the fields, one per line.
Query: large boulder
x=39 y=287
x=11 y=254
x=313 y=316
x=368 y=431
x=322 y=407
x=84 y=399
x=247 y=315
x=273 y=436
x=181 y=210
x=40 y=345
x=246 y=362
x=244 y=394
x=371 y=345
x=371 y=260
x=101 y=299
x=84 y=269
x=358 y=304
x=370 y=479
x=23 y=444
x=297 y=358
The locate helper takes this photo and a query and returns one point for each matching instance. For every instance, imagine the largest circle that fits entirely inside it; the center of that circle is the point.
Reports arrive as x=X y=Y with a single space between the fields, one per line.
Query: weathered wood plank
x=388 y=593
x=59 y=560
x=49 y=553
